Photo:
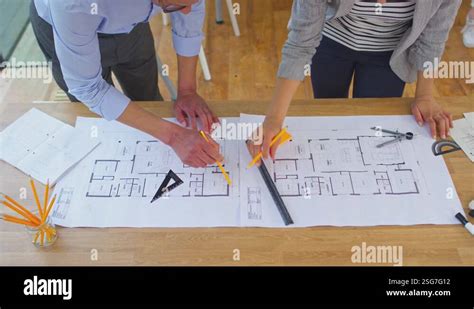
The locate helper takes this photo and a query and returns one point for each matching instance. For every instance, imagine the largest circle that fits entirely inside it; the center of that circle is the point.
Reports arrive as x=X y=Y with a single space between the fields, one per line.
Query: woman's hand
x=262 y=138
x=276 y=113
x=189 y=107
x=426 y=109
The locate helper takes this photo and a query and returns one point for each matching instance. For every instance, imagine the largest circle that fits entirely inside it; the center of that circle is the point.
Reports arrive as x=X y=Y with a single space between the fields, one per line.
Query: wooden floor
x=243 y=68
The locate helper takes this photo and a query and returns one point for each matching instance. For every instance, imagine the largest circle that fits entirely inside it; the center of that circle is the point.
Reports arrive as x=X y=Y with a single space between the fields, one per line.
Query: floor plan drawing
x=115 y=185
x=349 y=166
x=254 y=203
x=63 y=202
x=139 y=167
x=332 y=173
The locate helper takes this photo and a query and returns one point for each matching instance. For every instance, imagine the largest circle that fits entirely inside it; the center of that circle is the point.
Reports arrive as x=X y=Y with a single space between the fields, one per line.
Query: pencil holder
x=44 y=235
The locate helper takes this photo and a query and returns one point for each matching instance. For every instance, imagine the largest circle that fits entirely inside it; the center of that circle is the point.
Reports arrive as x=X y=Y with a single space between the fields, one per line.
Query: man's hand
x=426 y=109
x=189 y=107
x=192 y=148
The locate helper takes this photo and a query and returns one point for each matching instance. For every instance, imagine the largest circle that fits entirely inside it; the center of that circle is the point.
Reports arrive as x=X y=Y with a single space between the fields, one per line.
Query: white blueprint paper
x=114 y=185
x=463 y=133
x=42 y=146
x=331 y=173
x=470 y=118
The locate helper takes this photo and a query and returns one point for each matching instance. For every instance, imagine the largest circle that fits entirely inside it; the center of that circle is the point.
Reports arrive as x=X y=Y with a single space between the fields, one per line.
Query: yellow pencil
x=285 y=139
x=26 y=214
x=16 y=220
x=41 y=237
x=36 y=237
x=48 y=236
x=282 y=134
x=46 y=198
x=32 y=183
x=226 y=176
x=48 y=209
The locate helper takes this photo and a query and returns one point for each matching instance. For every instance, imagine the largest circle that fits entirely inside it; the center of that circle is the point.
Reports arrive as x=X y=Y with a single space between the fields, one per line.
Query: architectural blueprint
x=139 y=167
x=117 y=182
x=330 y=173
x=338 y=176
x=343 y=166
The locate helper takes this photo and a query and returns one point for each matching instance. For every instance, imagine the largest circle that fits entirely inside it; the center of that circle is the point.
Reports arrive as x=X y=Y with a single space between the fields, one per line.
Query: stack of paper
x=44 y=147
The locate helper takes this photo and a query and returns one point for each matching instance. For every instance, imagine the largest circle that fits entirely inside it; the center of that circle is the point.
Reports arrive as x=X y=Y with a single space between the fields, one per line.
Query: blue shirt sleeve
x=77 y=47
x=187 y=30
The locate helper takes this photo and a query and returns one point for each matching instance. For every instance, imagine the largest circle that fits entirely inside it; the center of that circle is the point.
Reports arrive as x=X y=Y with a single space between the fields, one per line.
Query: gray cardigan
x=424 y=41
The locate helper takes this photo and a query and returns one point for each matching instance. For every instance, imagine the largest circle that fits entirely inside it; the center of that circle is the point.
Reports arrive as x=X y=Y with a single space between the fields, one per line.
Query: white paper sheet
x=463 y=133
x=470 y=118
x=114 y=185
x=331 y=173
x=42 y=146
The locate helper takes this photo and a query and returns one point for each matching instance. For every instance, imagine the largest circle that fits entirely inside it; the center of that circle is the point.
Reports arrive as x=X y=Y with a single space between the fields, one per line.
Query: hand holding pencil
x=272 y=139
x=192 y=149
x=219 y=164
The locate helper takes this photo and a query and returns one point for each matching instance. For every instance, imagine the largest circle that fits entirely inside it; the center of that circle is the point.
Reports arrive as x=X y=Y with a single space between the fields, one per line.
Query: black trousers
x=131 y=57
x=334 y=65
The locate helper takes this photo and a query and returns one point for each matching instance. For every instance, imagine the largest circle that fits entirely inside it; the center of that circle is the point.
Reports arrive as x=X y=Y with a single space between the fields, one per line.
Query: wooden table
x=422 y=245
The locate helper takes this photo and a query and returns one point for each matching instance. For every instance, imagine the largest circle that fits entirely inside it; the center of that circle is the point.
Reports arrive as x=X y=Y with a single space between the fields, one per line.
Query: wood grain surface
x=422 y=244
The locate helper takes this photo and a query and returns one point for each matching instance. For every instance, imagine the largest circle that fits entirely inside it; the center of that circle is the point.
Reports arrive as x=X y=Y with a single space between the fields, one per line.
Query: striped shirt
x=371 y=26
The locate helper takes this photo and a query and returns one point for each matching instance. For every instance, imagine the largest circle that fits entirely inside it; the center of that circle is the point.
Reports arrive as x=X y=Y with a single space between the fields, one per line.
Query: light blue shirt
x=75 y=26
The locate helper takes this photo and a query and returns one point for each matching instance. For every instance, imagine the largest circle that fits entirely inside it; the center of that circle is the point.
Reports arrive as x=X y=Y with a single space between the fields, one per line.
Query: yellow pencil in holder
x=43 y=235
x=38 y=224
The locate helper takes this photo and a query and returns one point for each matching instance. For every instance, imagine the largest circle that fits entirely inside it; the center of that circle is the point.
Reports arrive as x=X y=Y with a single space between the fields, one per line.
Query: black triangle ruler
x=166 y=187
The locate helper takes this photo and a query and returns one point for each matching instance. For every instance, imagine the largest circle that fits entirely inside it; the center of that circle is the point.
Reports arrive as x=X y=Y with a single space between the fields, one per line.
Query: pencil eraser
x=470 y=228
x=471 y=205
